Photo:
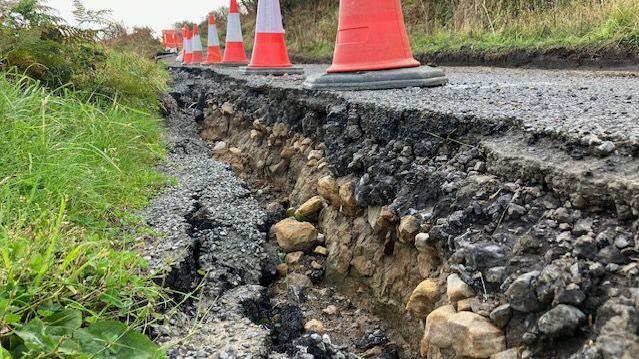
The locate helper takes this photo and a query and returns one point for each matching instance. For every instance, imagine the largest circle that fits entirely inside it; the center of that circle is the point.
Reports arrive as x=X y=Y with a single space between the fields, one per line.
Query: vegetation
x=80 y=140
x=45 y=48
x=474 y=25
x=524 y=24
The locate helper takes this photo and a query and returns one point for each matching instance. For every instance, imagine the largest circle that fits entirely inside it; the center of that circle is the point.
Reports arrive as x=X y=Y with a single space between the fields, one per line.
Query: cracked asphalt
x=568 y=104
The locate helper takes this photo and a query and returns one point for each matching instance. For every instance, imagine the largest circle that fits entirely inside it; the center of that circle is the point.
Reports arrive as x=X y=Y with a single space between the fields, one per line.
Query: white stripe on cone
x=269 y=19
x=234 y=29
x=187 y=46
x=213 y=40
x=197 y=43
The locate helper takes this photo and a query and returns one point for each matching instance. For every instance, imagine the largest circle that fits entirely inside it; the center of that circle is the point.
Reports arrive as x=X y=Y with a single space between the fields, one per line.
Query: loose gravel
x=209 y=246
x=211 y=243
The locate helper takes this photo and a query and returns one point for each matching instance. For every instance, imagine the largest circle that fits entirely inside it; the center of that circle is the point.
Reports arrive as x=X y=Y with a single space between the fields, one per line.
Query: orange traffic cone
x=270 y=56
x=187 y=57
x=372 y=50
x=170 y=40
x=234 y=54
x=213 y=53
x=196 y=46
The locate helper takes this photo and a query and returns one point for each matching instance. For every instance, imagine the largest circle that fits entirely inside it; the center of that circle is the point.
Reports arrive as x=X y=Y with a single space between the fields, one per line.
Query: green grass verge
x=73 y=166
x=614 y=27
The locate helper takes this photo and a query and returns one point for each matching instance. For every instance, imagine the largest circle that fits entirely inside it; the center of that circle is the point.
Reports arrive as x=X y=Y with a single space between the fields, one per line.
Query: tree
x=27 y=13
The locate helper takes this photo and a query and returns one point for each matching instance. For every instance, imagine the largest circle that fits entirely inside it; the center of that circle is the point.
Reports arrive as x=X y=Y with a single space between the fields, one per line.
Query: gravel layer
x=211 y=244
x=210 y=247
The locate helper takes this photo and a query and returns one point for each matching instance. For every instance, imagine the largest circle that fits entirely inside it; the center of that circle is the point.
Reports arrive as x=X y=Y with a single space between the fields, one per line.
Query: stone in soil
x=293 y=235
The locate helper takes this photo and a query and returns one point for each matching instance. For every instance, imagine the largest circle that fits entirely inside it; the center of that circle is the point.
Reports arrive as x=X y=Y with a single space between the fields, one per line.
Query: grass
x=125 y=78
x=479 y=25
x=74 y=164
x=575 y=25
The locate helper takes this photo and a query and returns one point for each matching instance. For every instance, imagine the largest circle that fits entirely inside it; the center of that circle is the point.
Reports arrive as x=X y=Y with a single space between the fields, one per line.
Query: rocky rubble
x=486 y=242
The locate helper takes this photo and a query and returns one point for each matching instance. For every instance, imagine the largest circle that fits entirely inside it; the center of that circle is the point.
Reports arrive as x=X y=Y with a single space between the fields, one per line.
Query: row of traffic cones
x=269 y=53
x=372 y=49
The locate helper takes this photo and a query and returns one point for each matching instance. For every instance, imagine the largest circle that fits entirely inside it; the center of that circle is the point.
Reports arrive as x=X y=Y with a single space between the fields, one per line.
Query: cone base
x=272 y=71
x=233 y=64
x=424 y=76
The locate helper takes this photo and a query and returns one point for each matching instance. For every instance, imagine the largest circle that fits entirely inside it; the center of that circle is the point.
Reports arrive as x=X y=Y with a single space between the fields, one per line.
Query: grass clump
x=71 y=168
x=105 y=61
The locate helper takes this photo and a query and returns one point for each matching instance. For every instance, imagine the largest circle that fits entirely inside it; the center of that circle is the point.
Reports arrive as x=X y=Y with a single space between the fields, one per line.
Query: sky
x=153 y=13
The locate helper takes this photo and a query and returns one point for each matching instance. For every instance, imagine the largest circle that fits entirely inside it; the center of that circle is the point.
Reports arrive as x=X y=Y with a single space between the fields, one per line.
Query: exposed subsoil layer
x=497 y=214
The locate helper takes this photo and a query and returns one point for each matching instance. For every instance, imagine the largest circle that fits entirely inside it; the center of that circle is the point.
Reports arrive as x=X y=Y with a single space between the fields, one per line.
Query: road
x=569 y=104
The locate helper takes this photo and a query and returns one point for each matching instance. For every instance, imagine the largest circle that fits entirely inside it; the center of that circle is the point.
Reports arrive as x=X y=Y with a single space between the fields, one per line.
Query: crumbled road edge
x=544 y=236
x=210 y=243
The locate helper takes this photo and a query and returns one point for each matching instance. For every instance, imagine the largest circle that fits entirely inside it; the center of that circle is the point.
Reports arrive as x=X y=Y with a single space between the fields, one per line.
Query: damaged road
x=496 y=216
x=209 y=247
x=210 y=242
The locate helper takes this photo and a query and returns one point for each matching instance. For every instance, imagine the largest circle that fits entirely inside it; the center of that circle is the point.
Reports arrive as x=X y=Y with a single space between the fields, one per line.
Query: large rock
x=475 y=336
x=436 y=332
x=501 y=315
x=227 y=108
x=423 y=299
x=468 y=334
x=314 y=326
x=408 y=229
x=422 y=243
x=512 y=353
x=521 y=293
x=293 y=236
x=457 y=290
x=294 y=257
x=327 y=188
x=385 y=220
x=310 y=207
x=347 y=197
x=561 y=320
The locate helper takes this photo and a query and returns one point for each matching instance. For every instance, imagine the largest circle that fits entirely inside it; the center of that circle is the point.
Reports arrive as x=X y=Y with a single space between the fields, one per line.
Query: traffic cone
x=170 y=40
x=372 y=51
x=187 y=58
x=196 y=41
x=234 y=54
x=213 y=53
x=270 y=56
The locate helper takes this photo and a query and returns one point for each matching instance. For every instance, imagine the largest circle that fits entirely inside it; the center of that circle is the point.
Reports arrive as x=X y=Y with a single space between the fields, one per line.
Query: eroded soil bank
x=458 y=234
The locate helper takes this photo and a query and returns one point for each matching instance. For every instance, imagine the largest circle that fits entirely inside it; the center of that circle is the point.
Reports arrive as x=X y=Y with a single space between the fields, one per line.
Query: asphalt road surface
x=571 y=104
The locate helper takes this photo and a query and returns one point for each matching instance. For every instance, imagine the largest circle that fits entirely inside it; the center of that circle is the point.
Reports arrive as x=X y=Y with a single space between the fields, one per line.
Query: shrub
x=59 y=55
